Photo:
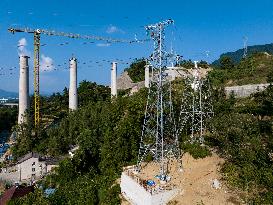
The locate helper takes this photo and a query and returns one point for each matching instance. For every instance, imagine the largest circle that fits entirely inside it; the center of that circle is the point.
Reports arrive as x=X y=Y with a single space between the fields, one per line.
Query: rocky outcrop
x=124 y=82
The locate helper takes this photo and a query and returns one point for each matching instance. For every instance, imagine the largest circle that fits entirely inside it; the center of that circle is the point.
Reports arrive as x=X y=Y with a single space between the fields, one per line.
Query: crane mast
x=36 y=79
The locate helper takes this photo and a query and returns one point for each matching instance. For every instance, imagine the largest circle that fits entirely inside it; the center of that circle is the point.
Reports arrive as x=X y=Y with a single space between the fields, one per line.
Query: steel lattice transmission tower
x=158 y=134
x=196 y=106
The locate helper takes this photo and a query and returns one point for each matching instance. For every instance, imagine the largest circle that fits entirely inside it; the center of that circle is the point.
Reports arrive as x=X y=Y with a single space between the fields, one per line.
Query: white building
x=33 y=166
x=30 y=167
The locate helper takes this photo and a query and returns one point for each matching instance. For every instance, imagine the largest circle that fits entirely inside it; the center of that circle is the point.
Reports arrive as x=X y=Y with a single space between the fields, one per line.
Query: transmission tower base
x=141 y=191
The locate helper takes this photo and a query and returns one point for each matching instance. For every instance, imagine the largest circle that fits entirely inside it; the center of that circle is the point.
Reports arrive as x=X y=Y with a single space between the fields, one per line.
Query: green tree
x=226 y=63
x=8 y=118
x=270 y=76
x=35 y=198
x=136 y=71
x=91 y=92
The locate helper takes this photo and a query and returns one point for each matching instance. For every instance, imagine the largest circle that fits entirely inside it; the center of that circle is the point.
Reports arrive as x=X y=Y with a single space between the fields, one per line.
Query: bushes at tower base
x=196 y=150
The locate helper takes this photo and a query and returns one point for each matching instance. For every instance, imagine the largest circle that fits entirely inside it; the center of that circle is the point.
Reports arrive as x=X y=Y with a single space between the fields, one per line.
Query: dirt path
x=195 y=182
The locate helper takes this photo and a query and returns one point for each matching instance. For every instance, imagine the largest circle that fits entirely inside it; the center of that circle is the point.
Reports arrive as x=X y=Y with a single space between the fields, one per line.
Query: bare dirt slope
x=195 y=182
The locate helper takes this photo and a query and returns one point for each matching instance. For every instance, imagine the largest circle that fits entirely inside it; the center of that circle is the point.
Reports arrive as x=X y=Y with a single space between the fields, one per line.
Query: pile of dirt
x=195 y=181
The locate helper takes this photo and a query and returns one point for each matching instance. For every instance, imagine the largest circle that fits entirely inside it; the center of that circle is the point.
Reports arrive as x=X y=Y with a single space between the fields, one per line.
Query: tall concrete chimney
x=73 y=94
x=196 y=64
x=114 y=80
x=23 y=89
x=147 y=75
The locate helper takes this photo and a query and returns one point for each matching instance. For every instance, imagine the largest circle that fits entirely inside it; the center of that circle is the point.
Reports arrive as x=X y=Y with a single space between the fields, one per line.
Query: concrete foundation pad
x=137 y=193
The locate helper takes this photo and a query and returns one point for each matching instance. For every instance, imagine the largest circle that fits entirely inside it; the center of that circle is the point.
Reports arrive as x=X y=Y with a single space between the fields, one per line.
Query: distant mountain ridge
x=236 y=56
x=8 y=94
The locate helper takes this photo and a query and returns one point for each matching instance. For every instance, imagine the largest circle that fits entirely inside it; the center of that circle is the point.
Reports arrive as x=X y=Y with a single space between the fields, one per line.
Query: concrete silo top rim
x=23 y=56
x=73 y=59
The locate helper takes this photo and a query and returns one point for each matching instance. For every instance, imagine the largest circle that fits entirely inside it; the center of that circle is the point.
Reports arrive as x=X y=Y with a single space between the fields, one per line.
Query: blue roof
x=49 y=191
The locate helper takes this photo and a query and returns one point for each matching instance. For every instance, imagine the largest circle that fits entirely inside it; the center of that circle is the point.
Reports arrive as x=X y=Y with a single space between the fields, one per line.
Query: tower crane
x=37 y=33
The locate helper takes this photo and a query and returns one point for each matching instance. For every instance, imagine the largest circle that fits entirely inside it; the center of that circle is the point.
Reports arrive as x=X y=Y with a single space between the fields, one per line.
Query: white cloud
x=103 y=44
x=114 y=29
x=22 y=50
x=46 y=63
x=22 y=42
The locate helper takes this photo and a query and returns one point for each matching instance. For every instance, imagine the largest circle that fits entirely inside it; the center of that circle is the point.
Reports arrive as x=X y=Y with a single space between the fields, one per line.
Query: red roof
x=15 y=192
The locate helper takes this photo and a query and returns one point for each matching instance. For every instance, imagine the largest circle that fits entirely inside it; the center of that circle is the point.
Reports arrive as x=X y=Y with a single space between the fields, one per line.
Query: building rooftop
x=48 y=160
x=28 y=156
x=15 y=192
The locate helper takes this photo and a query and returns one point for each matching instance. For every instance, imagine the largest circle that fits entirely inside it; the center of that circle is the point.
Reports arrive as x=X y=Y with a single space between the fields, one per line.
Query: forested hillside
x=8 y=118
x=238 y=55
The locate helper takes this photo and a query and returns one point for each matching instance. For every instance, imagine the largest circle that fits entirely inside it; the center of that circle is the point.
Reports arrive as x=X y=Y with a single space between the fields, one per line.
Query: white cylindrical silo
x=147 y=76
x=196 y=64
x=73 y=93
x=114 y=80
x=23 y=89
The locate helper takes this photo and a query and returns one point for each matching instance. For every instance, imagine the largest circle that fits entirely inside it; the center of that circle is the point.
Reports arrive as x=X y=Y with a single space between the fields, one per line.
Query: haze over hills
x=8 y=94
x=236 y=56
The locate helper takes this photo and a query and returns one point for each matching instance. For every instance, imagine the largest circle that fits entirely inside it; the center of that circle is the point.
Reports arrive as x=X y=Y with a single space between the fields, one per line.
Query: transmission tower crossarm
x=157 y=25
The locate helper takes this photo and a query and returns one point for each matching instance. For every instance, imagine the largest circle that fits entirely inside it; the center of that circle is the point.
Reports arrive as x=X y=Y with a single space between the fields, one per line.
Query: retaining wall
x=245 y=90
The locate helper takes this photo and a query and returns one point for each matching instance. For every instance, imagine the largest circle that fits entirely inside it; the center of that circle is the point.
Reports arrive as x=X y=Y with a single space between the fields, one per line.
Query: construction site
x=154 y=129
x=168 y=177
x=159 y=134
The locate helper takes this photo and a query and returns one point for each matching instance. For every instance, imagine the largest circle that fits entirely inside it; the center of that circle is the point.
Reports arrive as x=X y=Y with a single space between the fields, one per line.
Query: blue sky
x=200 y=26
